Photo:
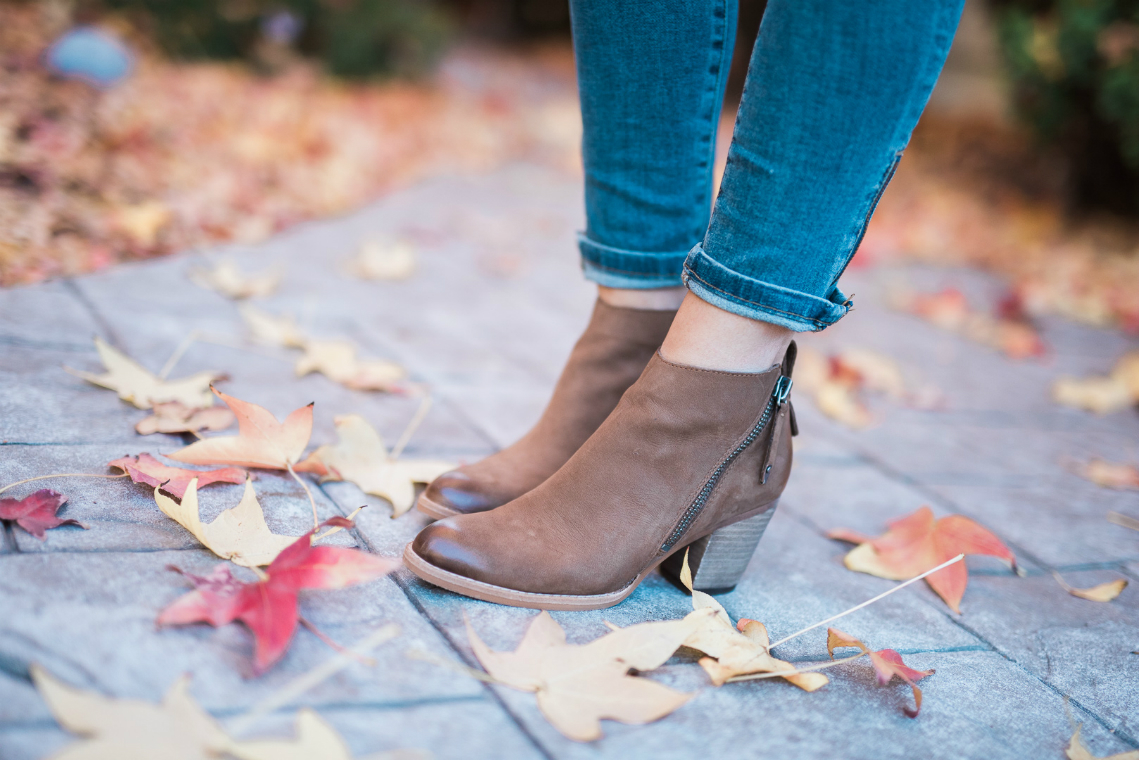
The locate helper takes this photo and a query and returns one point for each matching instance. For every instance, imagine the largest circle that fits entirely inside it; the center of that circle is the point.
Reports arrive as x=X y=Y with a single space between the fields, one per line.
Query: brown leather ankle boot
x=689 y=458
x=608 y=358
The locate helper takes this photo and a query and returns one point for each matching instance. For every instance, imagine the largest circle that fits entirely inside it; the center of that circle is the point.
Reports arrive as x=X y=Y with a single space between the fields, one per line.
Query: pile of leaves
x=183 y=155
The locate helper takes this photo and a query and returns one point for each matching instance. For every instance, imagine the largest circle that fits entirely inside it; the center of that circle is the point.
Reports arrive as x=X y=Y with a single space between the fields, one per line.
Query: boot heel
x=718 y=560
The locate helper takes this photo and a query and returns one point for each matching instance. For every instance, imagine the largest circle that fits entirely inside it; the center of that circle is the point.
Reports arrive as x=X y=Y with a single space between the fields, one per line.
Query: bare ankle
x=650 y=299
x=706 y=336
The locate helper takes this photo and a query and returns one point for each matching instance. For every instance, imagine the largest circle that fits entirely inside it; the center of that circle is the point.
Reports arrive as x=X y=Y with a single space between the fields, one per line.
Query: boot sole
x=489 y=592
x=433 y=509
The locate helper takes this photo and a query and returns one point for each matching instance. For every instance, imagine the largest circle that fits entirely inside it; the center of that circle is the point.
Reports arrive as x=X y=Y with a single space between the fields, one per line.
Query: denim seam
x=646 y=275
x=716 y=98
x=764 y=307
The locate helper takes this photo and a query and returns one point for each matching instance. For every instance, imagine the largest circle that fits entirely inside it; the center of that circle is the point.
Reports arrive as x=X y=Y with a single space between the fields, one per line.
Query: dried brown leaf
x=176 y=417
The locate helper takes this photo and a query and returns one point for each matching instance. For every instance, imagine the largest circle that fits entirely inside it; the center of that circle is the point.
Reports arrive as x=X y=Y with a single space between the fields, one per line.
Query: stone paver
x=485 y=324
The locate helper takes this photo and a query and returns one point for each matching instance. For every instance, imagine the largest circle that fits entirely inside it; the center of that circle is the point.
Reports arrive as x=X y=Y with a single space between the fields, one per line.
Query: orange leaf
x=887 y=664
x=917 y=543
x=261 y=441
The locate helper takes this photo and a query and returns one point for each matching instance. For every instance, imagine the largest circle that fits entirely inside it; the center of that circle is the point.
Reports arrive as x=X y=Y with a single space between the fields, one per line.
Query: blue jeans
x=833 y=91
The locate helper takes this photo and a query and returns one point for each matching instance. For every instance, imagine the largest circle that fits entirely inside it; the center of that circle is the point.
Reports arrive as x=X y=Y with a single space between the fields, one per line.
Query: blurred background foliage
x=1072 y=65
x=1074 y=70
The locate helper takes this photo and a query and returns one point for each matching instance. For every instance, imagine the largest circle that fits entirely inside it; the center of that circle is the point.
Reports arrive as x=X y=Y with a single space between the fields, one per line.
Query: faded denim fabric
x=833 y=91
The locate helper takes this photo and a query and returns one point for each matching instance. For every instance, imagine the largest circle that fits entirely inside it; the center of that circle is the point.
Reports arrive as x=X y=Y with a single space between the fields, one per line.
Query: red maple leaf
x=269 y=607
x=887 y=664
x=174 y=480
x=36 y=513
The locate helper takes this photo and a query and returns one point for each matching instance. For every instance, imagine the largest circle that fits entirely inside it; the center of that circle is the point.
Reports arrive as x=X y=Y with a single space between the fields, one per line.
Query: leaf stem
x=311 y=500
x=422 y=656
x=330 y=531
x=61 y=475
x=172 y=362
x=412 y=426
x=807 y=669
x=868 y=602
x=339 y=649
x=1123 y=520
x=311 y=679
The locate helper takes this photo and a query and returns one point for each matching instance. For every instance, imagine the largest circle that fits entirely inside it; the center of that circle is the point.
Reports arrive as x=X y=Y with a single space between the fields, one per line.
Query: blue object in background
x=90 y=54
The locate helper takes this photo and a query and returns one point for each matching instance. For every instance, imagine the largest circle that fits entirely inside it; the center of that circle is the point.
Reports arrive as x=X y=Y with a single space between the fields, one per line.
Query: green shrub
x=1074 y=66
x=353 y=38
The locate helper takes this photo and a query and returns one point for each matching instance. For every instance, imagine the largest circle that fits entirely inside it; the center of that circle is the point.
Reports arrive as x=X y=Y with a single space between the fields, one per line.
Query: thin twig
x=1123 y=520
x=422 y=656
x=868 y=602
x=409 y=431
x=338 y=648
x=807 y=669
x=62 y=475
x=183 y=347
x=330 y=531
x=311 y=500
x=312 y=678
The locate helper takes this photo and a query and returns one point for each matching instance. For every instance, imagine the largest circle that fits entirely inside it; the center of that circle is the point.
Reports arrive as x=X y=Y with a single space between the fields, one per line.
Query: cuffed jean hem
x=617 y=268
x=755 y=299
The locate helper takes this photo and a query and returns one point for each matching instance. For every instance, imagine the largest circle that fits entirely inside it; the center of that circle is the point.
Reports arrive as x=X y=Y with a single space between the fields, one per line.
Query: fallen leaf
x=261 y=441
x=149 y=471
x=269 y=607
x=887 y=665
x=315 y=740
x=144 y=389
x=238 y=534
x=1110 y=475
x=176 y=417
x=736 y=650
x=578 y=685
x=265 y=328
x=128 y=729
x=1119 y=390
x=36 y=513
x=918 y=542
x=336 y=360
x=1077 y=751
x=141 y=222
x=836 y=397
x=360 y=457
x=227 y=279
x=377 y=260
x=1104 y=592
x=1011 y=331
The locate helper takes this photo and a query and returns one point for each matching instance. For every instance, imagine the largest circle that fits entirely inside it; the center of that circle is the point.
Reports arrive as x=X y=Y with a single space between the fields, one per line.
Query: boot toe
x=442 y=545
x=458 y=492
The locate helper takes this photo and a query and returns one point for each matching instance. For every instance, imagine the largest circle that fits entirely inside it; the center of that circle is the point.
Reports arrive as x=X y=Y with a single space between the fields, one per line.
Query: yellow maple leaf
x=144 y=389
x=238 y=534
x=578 y=685
x=228 y=280
x=337 y=360
x=128 y=729
x=736 y=652
x=360 y=457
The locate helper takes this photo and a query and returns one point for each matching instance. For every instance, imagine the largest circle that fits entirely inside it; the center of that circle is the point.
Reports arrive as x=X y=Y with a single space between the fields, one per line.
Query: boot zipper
x=778 y=397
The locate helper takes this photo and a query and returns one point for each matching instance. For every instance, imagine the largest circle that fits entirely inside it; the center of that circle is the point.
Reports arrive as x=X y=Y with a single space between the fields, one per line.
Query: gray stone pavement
x=486 y=322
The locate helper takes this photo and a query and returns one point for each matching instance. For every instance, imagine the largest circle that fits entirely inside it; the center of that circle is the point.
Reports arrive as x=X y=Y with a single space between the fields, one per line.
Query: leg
x=652 y=78
x=693 y=450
